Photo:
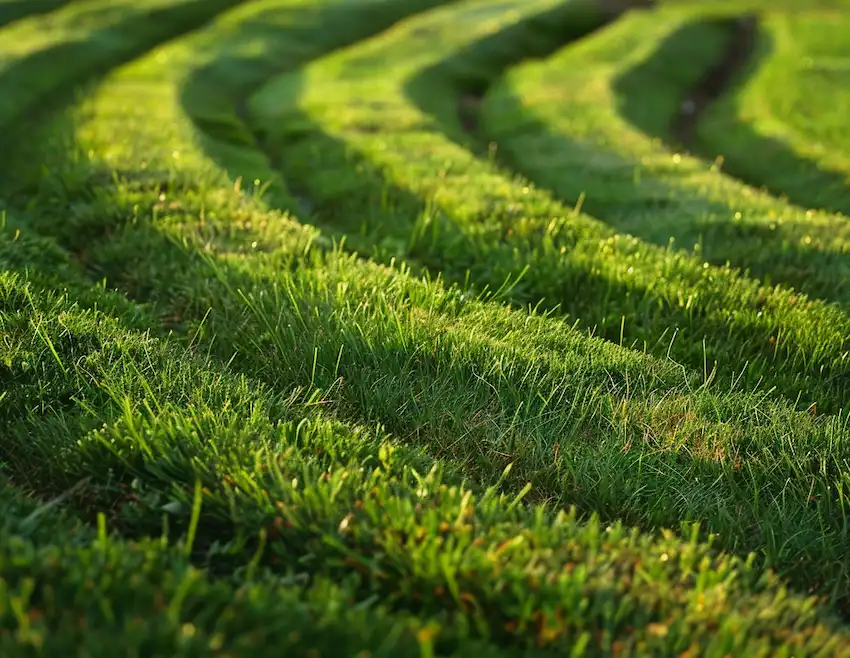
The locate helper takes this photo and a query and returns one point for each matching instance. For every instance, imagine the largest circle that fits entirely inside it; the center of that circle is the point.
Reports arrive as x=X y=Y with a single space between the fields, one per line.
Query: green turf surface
x=418 y=189
x=549 y=125
x=225 y=432
x=14 y=10
x=792 y=139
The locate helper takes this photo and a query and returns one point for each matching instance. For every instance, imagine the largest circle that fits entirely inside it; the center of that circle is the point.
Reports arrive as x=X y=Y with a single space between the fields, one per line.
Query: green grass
x=224 y=431
x=792 y=139
x=15 y=10
x=555 y=133
x=411 y=193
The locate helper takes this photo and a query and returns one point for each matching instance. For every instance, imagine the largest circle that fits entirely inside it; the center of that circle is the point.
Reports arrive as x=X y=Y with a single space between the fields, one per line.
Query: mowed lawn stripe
x=353 y=139
x=136 y=593
x=245 y=48
x=434 y=563
x=582 y=126
x=329 y=335
x=783 y=126
x=46 y=59
x=587 y=422
x=213 y=92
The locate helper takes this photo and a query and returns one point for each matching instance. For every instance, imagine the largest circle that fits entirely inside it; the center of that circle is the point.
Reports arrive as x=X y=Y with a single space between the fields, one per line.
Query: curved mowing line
x=586 y=468
x=779 y=168
x=748 y=47
x=33 y=89
x=558 y=152
x=213 y=93
x=400 y=346
x=336 y=512
x=624 y=179
x=397 y=377
x=215 y=96
x=16 y=10
x=467 y=75
x=353 y=193
x=618 y=484
x=780 y=253
x=536 y=36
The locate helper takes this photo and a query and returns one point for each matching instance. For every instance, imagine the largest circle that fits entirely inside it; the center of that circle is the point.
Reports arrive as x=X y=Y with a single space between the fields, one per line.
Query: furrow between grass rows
x=85 y=40
x=15 y=10
x=588 y=424
x=152 y=432
x=481 y=384
x=582 y=126
x=791 y=138
x=820 y=373
x=412 y=192
x=294 y=477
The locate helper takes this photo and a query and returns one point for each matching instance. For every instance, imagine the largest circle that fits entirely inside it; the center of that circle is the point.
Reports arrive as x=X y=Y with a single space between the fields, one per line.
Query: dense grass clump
x=317 y=337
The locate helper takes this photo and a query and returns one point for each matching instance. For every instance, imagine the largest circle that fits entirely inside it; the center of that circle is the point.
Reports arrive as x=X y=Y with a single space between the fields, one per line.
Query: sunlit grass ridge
x=315 y=336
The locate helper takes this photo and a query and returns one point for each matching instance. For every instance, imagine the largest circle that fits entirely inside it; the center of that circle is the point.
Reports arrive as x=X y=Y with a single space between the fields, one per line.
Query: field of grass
x=793 y=141
x=424 y=328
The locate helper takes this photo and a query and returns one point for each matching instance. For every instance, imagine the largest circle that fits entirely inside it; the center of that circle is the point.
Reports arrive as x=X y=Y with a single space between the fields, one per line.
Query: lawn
x=424 y=328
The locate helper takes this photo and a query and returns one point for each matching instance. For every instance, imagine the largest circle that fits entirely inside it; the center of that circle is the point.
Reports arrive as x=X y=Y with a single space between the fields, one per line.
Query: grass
x=411 y=186
x=14 y=10
x=612 y=159
x=226 y=431
x=793 y=142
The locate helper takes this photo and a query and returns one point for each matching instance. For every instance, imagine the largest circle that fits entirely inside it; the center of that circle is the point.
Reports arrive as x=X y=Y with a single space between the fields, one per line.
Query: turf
x=14 y=10
x=796 y=142
x=555 y=134
x=226 y=431
x=414 y=199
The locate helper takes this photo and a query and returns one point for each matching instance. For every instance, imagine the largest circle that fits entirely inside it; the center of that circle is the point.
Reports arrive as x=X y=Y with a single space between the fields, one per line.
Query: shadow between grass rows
x=85 y=238
x=41 y=85
x=382 y=220
x=15 y=10
x=385 y=548
x=585 y=471
x=586 y=458
x=230 y=277
x=170 y=471
x=214 y=96
x=749 y=47
x=481 y=405
x=144 y=458
x=537 y=37
x=397 y=383
x=623 y=193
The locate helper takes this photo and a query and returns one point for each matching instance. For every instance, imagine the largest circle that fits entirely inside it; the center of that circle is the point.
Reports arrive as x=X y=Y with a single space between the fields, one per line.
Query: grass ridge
x=275 y=371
